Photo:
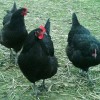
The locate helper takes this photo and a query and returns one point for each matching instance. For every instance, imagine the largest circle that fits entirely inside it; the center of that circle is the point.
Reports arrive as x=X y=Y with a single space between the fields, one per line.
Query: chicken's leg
x=43 y=87
x=83 y=73
x=36 y=91
x=91 y=82
x=86 y=74
x=11 y=54
x=16 y=58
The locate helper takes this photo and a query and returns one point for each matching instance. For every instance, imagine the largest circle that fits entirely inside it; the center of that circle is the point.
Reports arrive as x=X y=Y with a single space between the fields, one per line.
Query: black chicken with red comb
x=14 y=32
x=37 y=60
x=83 y=50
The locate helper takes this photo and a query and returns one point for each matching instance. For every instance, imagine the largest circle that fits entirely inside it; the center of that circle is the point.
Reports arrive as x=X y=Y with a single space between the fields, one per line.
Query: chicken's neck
x=17 y=23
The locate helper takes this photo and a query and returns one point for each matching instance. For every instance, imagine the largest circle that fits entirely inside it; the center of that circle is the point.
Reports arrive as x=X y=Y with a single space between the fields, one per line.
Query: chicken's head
x=40 y=32
x=24 y=11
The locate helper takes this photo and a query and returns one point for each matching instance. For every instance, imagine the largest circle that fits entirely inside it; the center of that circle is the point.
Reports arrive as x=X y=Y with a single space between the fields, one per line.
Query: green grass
x=64 y=85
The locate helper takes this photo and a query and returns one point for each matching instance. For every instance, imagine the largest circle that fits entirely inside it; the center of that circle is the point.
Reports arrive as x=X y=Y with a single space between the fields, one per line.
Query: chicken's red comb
x=42 y=28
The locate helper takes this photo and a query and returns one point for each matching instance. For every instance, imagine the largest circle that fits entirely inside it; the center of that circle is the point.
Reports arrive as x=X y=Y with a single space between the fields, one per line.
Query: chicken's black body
x=14 y=32
x=81 y=46
x=37 y=60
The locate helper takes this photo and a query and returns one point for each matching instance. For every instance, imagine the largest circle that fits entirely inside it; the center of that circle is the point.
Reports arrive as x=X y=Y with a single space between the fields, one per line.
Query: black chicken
x=37 y=60
x=7 y=17
x=14 y=32
x=83 y=50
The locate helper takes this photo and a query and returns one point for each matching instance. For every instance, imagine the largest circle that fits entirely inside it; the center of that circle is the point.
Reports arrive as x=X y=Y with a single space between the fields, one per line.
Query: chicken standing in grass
x=6 y=20
x=7 y=17
x=83 y=50
x=37 y=60
x=13 y=34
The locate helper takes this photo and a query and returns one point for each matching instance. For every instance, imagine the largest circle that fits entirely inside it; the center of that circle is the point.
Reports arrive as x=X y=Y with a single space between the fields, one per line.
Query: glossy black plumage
x=81 y=46
x=37 y=60
x=7 y=17
x=13 y=34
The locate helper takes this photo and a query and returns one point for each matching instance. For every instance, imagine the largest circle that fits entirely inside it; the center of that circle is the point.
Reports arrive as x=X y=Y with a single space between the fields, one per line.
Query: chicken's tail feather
x=14 y=8
x=75 y=21
x=47 y=26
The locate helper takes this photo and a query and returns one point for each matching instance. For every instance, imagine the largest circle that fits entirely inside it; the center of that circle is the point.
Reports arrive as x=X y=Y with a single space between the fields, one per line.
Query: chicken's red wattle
x=41 y=36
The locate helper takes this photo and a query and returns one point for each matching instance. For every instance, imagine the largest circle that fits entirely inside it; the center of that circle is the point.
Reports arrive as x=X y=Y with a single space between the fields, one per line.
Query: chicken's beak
x=45 y=33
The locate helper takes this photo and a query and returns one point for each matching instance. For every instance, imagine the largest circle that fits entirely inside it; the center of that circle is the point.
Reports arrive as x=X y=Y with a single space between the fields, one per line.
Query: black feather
x=8 y=16
x=47 y=39
x=47 y=26
x=14 y=32
x=81 y=46
x=34 y=62
x=75 y=21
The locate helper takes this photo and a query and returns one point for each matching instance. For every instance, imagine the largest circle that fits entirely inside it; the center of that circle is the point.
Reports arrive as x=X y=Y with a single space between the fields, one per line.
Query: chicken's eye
x=39 y=34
